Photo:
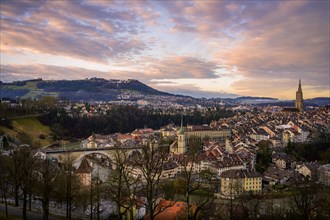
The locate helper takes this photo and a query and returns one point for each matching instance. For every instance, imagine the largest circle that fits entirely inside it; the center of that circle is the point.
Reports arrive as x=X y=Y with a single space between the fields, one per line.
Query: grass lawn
x=31 y=126
x=8 y=131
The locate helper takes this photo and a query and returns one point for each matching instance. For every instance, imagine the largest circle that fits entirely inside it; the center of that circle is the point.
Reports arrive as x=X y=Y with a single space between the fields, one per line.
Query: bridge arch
x=82 y=155
x=78 y=154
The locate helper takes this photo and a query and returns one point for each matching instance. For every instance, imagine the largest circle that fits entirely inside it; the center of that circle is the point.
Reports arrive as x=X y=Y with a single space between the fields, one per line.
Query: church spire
x=181 y=128
x=299 y=104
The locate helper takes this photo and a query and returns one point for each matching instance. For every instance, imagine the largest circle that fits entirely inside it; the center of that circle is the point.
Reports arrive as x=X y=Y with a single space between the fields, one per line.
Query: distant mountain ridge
x=99 y=89
x=96 y=89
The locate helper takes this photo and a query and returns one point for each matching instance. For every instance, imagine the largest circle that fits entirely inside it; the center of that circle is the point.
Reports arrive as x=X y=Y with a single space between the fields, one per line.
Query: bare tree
x=25 y=163
x=304 y=200
x=5 y=179
x=15 y=174
x=196 y=184
x=67 y=185
x=249 y=204
x=97 y=193
x=231 y=190
x=121 y=184
x=150 y=163
x=323 y=210
x=45 y=176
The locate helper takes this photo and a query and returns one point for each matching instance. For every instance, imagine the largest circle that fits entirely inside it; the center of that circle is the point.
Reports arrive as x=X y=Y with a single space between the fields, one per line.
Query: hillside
x=98 y=89
x=320 y=101
x=32 y=127
x=95 y=89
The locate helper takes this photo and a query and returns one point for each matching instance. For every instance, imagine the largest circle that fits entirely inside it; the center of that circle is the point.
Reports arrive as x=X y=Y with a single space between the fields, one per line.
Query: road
x=36 y=213
x=56 y=211
x=31 y=215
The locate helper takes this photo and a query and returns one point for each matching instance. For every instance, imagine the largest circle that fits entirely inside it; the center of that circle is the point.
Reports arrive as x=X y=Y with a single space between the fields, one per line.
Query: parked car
x=94 y=209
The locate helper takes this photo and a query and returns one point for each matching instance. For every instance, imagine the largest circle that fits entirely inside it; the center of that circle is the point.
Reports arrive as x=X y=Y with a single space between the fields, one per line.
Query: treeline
x=121 y=119
x=26 y=178
x=95 y=85
x=23 y=107
x=315 y=151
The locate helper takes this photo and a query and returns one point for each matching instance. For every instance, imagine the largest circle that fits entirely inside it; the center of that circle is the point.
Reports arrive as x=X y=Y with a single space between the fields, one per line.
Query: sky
x=199 y=48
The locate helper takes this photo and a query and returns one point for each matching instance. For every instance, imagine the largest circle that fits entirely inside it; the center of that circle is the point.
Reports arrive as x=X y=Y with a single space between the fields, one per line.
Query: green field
x=28 y=85
x=39 y=92
x=32 y=127
x=34 y=92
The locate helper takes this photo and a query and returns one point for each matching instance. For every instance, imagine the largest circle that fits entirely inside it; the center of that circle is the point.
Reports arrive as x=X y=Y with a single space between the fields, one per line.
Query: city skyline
x=199 y=48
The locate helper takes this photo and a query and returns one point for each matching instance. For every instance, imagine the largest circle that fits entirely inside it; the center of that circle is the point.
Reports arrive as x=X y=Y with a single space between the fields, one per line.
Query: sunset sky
x=198 y=48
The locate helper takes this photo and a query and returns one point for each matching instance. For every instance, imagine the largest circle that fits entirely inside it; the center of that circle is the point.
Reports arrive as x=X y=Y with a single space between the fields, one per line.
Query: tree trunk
x=6 y=204
x=118 y=211
x=131 y=213
x=24 y=205
x=195 y=214
x=187 y=201
x=150 y=204
x=30 y=200
x=97 y=210
x=45 y=207
x=231 y=209
x=16 y=195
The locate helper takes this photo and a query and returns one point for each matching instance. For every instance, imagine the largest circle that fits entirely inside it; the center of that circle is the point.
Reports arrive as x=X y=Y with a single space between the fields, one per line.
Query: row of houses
x=278 y=127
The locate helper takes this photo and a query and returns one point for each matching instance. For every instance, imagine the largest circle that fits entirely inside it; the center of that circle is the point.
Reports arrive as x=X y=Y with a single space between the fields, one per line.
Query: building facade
x=206 y=132
x=238 y=182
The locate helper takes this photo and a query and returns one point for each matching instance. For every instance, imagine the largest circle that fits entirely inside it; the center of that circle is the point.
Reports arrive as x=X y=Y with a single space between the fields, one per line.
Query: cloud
x=70 y=28
x=10 y=73
x=281 y=45
x=283 y=38
x=189 y=90
x=297 y=42
x=172 y=67
x=19 y=7
x=252 y=43
x=207 y=19
x=183 y=67
x=278 y=88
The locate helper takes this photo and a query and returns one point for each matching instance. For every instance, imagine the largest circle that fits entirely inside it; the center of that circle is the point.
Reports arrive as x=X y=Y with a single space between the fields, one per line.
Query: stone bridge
x=77 y=154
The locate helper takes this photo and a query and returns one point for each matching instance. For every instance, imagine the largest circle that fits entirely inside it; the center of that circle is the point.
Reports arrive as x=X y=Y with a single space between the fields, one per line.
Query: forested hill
x=96 y=89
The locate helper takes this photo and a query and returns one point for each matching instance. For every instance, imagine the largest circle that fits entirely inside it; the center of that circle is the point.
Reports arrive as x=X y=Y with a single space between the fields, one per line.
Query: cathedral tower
x=299 y=98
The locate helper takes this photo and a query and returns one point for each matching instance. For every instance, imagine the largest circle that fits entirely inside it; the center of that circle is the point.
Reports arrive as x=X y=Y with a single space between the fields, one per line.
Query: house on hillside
x=283 y=160
x=308 y=170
